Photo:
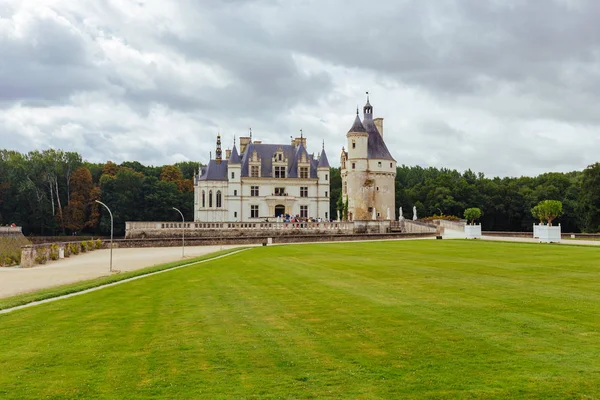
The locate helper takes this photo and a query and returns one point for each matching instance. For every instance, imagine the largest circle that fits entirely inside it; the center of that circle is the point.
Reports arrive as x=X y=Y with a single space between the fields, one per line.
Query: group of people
x=298 y=218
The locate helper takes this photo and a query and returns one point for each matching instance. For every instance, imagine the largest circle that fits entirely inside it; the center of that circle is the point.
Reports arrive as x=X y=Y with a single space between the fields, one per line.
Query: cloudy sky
x=506 y=87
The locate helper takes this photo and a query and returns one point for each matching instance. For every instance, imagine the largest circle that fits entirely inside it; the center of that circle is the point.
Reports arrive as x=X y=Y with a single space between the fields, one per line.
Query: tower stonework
x=368 y=170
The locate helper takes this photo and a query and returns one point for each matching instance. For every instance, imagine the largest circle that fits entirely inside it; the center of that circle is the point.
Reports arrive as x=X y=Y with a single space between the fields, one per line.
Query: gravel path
x=91 y=265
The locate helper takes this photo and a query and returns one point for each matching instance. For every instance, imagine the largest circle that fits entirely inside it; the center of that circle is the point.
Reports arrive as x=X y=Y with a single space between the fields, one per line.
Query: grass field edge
x=19 y=301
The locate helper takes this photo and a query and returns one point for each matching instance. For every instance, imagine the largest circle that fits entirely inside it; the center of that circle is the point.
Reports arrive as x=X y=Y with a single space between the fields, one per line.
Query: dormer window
x=279 y=172
x=303 y=172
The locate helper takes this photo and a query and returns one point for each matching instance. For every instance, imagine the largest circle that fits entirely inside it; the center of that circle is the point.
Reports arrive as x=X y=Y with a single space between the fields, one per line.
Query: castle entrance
x=279 y=210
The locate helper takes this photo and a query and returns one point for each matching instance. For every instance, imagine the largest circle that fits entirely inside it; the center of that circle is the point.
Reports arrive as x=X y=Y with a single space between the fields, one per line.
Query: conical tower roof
x=323 y=162
x=234 y=158
x=357 y=126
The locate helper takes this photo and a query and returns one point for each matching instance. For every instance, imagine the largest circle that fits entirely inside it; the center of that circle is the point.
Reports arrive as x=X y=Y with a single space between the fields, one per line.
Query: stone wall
x=10 y=230
x=409 y=226
x=36 y=254
x=141 y=230
x=175 y=242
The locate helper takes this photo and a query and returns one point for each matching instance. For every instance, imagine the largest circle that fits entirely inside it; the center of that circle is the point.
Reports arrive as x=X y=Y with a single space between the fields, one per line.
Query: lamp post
x=111 y=231
x=183 y=233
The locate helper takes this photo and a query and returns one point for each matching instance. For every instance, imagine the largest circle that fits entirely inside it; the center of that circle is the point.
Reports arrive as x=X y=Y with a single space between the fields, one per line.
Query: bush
x=74 y=248
x=83 y=246
x=98 y=243
x=10 y=250
x=472 y=214
x=54 y=251
x=444 y=217
x=90 y=245
x=41 y=256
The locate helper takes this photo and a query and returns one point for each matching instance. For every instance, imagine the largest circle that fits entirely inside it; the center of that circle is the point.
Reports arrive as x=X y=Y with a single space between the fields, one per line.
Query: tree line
x=53 y=192
x=506 y=203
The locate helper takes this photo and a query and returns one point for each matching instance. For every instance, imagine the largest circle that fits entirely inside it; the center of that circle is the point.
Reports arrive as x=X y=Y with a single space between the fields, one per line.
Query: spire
x=234 y=158
x=250 y=135
x=218 y=152
x=368 y=109
x=357 y=126
x=323 y=162
x=301 y=133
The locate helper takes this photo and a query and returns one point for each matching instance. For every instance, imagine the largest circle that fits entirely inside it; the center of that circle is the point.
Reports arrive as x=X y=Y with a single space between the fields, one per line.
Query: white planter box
x=473 y=231
x=549 y=234
x=535 y=231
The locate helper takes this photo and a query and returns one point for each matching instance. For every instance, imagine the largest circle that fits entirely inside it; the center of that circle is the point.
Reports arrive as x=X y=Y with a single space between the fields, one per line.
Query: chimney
x=379 y=124
x=296 y=142
x=227 y=154
x=244 y=140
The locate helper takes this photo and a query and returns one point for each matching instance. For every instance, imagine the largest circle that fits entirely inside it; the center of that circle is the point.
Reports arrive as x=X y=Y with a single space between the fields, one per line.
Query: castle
x=368 y=170
x=263 y=181
x=277 y=180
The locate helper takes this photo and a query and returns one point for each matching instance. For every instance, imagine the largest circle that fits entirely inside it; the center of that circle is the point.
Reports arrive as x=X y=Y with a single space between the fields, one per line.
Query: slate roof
x=357 y=126
x=234 y=158
x=323 y=161
x=266 y=152
x=214 y=171
x=376 y=148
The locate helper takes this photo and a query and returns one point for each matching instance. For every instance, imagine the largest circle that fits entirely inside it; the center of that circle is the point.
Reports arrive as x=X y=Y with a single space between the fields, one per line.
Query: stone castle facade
x=368 y=170
x=263 y=181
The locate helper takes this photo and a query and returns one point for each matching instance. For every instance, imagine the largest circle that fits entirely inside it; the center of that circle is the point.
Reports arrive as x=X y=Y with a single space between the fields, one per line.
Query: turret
x=357 y=139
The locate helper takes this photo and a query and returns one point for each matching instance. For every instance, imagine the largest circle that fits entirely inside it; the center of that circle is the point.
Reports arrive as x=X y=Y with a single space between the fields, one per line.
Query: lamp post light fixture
x=182 y=234
x=111 y=231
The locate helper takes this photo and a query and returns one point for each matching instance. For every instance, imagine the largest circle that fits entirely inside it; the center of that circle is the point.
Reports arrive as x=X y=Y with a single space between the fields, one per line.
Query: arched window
x=203 y=199
x=210 y=198
x=218 y=199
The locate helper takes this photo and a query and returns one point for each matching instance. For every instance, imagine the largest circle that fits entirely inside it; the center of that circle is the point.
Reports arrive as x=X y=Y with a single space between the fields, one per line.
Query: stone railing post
x=27 y=256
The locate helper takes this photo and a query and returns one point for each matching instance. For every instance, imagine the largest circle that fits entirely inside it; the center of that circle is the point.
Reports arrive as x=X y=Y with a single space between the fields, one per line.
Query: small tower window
x=353 y=165
x=203 y=199
x=379 y=164
x=233 y=175
x=218 y=199
x=210 y=198
x=353 y=144
x=326 y=177
x=235 y=192
x=390 y=165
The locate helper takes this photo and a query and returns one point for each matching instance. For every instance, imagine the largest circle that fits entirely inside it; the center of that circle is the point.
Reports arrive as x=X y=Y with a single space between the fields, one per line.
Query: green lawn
x=409 y=319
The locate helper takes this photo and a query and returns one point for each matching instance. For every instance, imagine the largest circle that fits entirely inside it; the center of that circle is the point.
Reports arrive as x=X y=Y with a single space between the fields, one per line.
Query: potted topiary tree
x=472 y=231
x=547 y=211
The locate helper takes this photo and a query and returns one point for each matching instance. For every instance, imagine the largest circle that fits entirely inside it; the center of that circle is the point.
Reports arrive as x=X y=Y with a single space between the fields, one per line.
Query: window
x=378 y=188
x=235 y=192
x=254 y=191
x=218 y=199
x=235 y=214
x=279 y=191
x=353 y=144
x=304 y=211
x=279 y=172
x=203 y=199
x=254 y=171
x=254 y=211
x=233 y=175
x=325 y=194
x=279 y=157
x=345 y=187
x=303 y=191
x=326 y=215
x=210 y=198
x=304 y=172
x=326 y=177
x=379 y=164
x=353 y=165
x=390 y=165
